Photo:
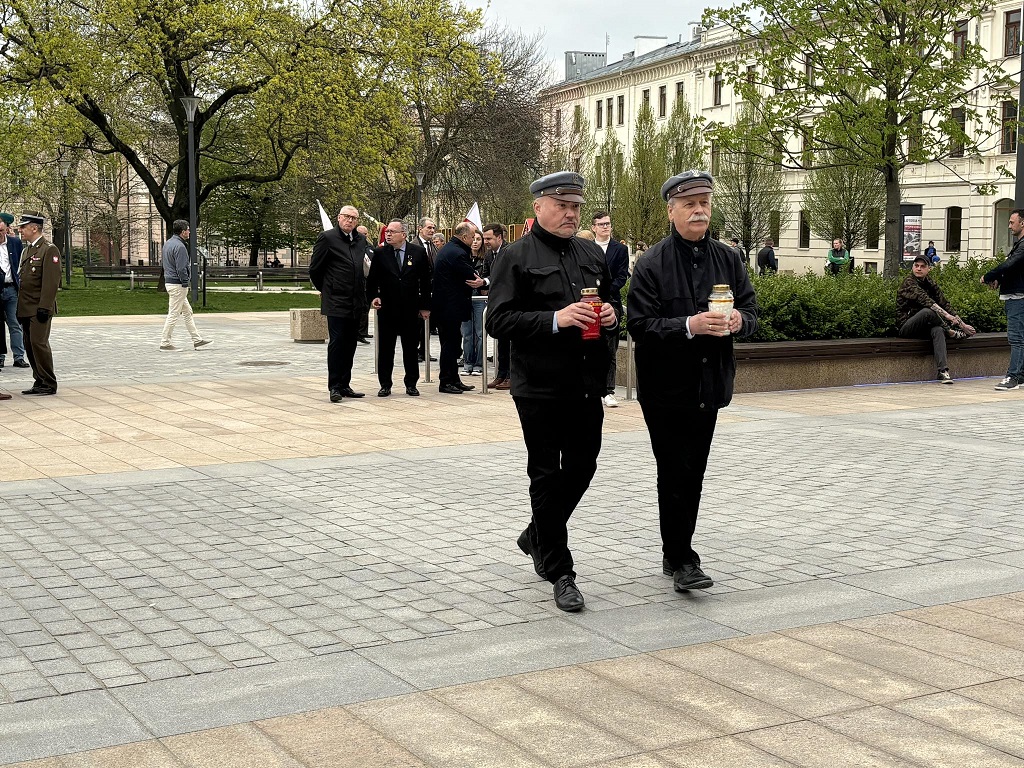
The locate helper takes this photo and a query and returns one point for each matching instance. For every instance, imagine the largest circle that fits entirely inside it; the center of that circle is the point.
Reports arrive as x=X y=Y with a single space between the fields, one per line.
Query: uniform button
x=704 y=360
x=702 y=405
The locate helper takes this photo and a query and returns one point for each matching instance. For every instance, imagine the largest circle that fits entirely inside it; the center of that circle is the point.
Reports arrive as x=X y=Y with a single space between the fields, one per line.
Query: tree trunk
x=893 y=258
x=257 y=244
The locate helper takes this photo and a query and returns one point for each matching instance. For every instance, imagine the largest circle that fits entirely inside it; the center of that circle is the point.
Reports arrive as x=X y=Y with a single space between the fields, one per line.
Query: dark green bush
x=857 y=306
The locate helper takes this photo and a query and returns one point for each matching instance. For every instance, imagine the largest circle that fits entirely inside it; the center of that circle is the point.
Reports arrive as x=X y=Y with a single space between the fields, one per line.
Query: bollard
x=259 y=281
x=629 y=367
x=483 y=336
x=376 y=342
x=131 y=280
x=426 y=350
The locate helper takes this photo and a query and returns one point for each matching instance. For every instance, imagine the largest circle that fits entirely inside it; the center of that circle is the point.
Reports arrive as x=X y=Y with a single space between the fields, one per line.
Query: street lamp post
x=191 y=103
x=64 y=163
x=419 y=197
x=1018 y=191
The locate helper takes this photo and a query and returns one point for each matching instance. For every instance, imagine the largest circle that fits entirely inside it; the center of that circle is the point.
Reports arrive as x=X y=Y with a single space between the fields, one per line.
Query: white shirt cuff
x=688 y=334
x=554 y=323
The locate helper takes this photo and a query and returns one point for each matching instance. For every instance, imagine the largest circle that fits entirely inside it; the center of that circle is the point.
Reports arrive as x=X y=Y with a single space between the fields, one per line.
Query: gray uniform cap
x=688 y=183
x=563 y=185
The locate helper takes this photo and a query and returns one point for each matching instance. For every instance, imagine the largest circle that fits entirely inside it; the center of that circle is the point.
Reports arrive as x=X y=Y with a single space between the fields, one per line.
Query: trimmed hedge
x=813 y=306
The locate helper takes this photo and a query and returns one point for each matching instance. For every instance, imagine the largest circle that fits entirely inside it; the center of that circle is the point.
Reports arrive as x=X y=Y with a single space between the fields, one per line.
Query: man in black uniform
x=336 y=270
x=558 y=378
x=684 y=359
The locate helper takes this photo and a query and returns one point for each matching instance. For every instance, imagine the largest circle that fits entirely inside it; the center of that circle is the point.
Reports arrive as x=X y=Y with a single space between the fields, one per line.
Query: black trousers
x=563 y=440
x=37 y=350
x=450 y=334
x=503 y=362
x=681 y=441
x=389 y=330
x=341 y=349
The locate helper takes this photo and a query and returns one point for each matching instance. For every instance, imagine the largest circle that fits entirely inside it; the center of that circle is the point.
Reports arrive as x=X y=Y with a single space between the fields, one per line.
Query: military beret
x=31 y=218
x=6 y=218
x=687 y=183
x=564 y=185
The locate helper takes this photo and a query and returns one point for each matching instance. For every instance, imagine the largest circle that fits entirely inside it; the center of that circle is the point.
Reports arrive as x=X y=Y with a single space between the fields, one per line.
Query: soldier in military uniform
x=558 y=377
x=40 y=277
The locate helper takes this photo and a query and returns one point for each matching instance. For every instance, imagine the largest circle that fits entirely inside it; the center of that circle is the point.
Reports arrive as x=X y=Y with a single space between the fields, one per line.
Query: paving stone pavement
x=260 y=588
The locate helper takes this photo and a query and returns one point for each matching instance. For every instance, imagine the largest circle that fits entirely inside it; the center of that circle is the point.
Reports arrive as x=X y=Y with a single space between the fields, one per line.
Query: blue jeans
x=9 y=303
x=473 y=339
x=1015 y=335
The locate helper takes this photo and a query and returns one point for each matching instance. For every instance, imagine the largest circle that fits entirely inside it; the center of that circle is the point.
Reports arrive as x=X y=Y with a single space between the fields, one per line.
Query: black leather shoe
x=690 y=576
x=412 y=392
x=666 y=567
x=464 y=387
x=39 y=391
x=449 y=389
x=336 y=396
x=384 y=392
x=530 y=550
x=363 y=340
x=21 y=364
x=567 y=595
x=349 y=392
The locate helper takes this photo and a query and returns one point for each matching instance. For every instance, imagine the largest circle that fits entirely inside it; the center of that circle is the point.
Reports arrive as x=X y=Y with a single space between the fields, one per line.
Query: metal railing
x=629 y=366
x=426 y=350
x=485 y=370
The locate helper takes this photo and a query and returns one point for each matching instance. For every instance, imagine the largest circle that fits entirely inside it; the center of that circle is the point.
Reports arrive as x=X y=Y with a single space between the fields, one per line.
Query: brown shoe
x=504 y=384
x=494 y=383
x=4 y=396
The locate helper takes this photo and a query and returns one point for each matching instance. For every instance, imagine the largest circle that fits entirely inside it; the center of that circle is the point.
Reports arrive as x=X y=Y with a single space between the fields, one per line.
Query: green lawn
x=114 y=298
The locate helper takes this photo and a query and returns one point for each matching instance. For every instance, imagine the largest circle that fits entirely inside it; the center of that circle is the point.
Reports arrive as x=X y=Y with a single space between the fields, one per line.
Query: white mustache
x=699 y=217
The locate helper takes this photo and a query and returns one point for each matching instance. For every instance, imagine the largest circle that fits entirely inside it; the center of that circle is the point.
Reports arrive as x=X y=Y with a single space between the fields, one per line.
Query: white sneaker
x=202 y=343
x=610 y=401
x=1010 y=382
x=168 y=348
x=945 y=378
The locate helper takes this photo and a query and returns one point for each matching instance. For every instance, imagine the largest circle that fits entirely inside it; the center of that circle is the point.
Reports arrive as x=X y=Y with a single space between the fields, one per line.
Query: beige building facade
x=660 y=71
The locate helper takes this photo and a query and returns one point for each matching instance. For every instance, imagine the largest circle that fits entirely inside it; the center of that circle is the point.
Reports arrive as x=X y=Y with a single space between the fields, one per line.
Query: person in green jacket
x=839 y=259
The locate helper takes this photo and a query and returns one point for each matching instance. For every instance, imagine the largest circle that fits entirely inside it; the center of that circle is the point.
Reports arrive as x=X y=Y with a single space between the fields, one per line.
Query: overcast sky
x=581 y=26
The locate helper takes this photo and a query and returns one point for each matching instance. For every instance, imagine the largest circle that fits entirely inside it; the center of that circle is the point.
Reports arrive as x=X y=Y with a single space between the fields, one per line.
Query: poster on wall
x=911 y=237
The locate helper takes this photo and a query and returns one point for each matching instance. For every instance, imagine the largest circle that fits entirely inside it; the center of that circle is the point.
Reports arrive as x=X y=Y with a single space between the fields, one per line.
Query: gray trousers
x=924 y=324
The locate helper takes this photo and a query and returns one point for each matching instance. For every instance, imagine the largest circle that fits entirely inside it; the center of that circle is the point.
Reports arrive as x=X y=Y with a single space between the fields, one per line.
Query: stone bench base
x=776 y=366
x=308 y=326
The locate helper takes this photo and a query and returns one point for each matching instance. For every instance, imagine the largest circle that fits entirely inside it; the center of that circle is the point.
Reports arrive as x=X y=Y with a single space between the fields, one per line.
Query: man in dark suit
x=10 y=258
x=336 y=270
x=425 y=232
x=452 y=303
x=398 y=286
x=616 y=255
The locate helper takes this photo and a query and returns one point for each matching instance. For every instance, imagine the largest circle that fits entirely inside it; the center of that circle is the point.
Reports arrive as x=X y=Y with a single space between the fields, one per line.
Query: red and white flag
x=473 y=217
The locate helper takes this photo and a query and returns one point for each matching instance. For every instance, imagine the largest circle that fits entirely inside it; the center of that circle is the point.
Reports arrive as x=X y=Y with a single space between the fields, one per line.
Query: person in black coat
x=336 y=270
x=398 y=287
x=767 y=264
x=558 y=377
x=617 y=256
x=452 y=303
x=684 y=359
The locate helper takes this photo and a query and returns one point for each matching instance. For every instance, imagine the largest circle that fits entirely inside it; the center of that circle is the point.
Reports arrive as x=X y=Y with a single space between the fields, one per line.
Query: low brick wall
x=775 y=366
x=308 y=326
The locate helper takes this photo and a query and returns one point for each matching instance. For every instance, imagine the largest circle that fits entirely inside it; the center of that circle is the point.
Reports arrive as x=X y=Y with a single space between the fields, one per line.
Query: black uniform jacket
x=402 y=292
x=671 y=369
x=336 y=270
x=533 y=278
x=452 y=301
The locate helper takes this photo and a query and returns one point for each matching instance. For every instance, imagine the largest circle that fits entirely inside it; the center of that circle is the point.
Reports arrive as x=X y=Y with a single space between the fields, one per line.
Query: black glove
x=42 y=315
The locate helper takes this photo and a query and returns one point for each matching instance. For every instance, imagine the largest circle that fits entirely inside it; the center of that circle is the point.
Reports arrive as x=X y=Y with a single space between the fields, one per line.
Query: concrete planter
x=775 y=366
x=308 y=326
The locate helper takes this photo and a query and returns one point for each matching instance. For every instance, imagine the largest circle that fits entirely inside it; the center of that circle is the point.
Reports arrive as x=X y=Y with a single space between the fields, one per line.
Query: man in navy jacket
x=10 y=259
x=452 y=303
x=616 y=255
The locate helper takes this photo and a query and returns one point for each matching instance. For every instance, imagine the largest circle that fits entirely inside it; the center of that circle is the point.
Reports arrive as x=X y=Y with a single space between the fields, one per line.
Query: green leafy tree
x=843 y=200
x=606 y=176
x=641 y=211
x=816 y=60
x=682 y=140
x=750 y=187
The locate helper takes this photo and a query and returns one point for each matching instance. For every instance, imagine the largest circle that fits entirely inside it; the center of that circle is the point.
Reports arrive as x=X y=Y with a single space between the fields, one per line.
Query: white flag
x=324 y=218
x=473 y=217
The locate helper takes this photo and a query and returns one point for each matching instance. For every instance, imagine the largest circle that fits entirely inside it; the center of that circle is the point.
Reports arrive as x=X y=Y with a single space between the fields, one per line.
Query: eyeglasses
x=348 y=216
x=602 y=224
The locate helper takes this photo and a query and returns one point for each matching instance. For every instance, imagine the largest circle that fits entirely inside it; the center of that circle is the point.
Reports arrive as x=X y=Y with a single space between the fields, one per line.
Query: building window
x=558 y=123
x=1011 y=33
x=662 y=100
x=805 y=230
x=679 y=90
x=914 y=137
x=600 y=114
x=954 y=220
x=1009 y=127
x=717 y=93
x=960 y=39
x=647 y=97
x=751 y=74
x=872 y=234
x=621 y=111
x=597 y=171
x=608 y=112
x=956 y=146
x=870 y=267
x=106 y=178
x=775 y=225
x=809 y=69
x=807 y=147
x=714 y=158
x=577 y=164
